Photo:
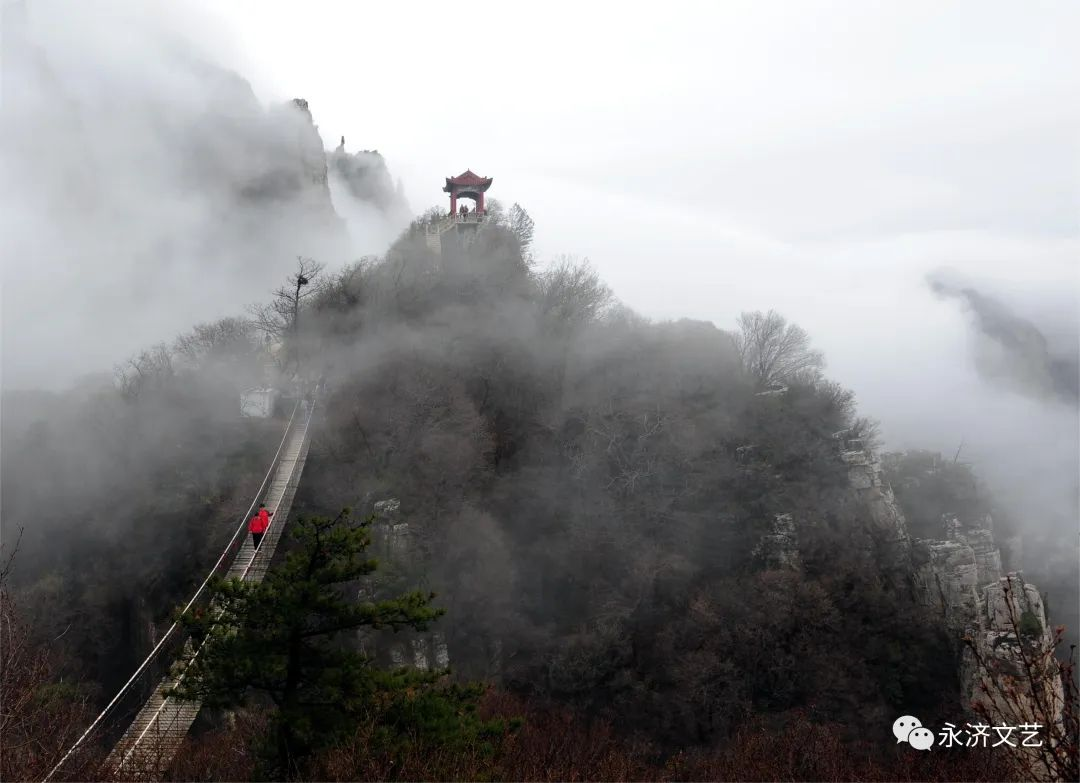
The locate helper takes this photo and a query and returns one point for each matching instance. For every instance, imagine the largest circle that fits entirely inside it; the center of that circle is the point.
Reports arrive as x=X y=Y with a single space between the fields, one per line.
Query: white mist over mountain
x=144 y=188
x=821 y=160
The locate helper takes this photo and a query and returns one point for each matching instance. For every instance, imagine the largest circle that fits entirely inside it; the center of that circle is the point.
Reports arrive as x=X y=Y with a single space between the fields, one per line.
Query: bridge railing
x=258 y=561
x=109 y=726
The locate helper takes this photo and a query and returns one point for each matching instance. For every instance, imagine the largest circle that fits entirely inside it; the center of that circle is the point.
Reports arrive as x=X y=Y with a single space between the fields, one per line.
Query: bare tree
x=572 y=293
x=868 y=432
x=1022 y=681
x=495 y=212
x=428 y=217
x=280 y=319
x=630 y=447
x=523 y=226
x=623 y=317
x=218 y=341
x=774 y=351
x=152 y=369
x=40 y=716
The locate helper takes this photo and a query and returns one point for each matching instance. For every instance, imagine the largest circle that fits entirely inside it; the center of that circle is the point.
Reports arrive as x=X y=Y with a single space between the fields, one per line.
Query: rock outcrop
x=987 y=555
x=1004 y=648
x=1009 y=672
x=367 y=178
x=947 y=578
x=289 y=166
x=779 y=549
x=873 y=491
x=182 y=157
x=393 y=544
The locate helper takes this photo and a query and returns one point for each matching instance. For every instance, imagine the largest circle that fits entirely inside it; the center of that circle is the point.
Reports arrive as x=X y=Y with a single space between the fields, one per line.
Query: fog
x=593 y=493
x=823 y=160
x=1013 y=350
x=145 y=188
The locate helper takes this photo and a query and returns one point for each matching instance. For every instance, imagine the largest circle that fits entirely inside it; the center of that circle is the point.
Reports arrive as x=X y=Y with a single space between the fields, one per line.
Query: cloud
x=1014 y=350
x=144 y=187
x=821 y=160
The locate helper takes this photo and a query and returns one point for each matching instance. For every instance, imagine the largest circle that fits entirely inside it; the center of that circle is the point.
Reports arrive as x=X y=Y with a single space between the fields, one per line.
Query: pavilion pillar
x=467 y=185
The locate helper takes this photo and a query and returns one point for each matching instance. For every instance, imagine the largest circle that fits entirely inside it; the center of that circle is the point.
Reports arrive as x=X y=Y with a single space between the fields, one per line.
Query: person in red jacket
x=259 y=523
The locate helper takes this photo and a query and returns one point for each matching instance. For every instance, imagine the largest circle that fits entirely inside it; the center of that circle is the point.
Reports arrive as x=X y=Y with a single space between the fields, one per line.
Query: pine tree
x=281 y=638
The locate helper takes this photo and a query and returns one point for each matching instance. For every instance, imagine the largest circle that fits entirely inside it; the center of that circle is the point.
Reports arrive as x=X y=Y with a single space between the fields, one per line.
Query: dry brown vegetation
x=1034 y=688
x=585 y=490
x=40 y=714
x=555 y=744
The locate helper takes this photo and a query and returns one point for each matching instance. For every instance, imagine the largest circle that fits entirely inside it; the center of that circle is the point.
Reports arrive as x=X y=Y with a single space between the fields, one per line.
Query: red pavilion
x=467 y=185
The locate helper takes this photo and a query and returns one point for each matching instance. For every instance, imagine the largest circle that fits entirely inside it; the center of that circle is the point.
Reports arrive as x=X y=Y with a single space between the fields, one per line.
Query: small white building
x=258 y=403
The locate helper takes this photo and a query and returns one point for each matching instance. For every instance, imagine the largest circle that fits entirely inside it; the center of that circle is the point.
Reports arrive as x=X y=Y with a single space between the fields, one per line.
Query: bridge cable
x=172 y=628
x=243 y=576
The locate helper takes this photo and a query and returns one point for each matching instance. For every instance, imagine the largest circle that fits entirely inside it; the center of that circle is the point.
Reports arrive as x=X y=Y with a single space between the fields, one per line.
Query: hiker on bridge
x=259 y=523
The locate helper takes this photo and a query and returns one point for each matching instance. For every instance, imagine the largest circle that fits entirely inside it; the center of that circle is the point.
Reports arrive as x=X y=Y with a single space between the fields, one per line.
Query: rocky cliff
x=393 y=544
x=366 y=177
x=875 y=494
x=997 y=620
x=167 y=190
x=366 y=196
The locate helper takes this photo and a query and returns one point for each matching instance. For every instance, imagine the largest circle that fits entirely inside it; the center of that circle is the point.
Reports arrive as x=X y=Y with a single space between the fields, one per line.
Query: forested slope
x=646 y=524
x=587 y=492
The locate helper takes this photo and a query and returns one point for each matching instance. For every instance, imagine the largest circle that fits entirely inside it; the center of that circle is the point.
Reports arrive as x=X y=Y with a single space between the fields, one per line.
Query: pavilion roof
x=467 y=179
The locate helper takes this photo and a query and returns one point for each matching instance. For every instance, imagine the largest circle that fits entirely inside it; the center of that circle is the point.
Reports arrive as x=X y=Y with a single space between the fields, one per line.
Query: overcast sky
x=709 y=158
x=820 y=158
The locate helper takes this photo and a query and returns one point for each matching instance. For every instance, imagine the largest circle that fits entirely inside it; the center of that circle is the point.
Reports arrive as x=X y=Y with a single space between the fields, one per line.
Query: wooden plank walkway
x=149 y=745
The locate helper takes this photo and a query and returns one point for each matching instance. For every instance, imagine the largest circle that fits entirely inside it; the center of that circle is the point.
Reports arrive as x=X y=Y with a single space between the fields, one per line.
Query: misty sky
x=713 y=157
x=817 y=158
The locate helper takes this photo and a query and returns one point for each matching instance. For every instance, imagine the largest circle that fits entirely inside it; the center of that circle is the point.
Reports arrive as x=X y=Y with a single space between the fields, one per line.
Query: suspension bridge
x=143 y=724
